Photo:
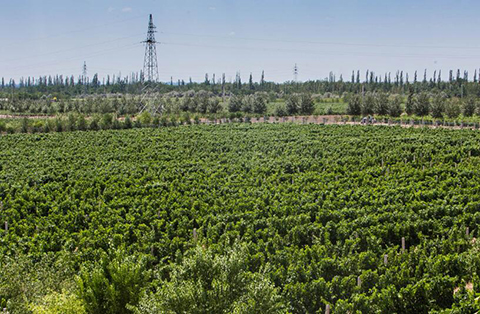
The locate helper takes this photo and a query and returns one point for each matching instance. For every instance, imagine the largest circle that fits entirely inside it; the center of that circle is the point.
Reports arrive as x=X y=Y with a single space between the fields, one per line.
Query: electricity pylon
x=150 y=72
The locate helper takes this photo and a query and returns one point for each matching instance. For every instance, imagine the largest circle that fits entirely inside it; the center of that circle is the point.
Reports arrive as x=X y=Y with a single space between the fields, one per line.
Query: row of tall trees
x=459 y=84
x=422 y=104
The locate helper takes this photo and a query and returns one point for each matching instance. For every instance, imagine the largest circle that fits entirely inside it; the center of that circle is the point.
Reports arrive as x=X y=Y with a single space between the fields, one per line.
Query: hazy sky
x=42 y=37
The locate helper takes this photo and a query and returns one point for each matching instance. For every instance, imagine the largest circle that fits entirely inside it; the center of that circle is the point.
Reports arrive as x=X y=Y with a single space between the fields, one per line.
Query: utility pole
x=150 y=63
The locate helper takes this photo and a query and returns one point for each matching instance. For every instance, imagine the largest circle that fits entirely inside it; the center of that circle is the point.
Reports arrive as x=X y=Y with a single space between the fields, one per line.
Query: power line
x=325 y=42
x=83 y=29
x=98 y=53
x=74 y=48
x=333 y=53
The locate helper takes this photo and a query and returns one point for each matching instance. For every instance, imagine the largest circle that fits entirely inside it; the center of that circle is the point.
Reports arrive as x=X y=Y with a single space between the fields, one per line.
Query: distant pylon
x=150 y=64
x=84 y=77
x=84 y=73
x=295 y=72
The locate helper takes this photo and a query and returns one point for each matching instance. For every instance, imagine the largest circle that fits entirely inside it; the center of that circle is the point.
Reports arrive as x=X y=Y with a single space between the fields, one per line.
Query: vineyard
x=241 y=218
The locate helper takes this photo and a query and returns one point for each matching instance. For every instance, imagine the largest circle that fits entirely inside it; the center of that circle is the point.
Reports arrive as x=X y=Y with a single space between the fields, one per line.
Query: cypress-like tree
x=409 y=105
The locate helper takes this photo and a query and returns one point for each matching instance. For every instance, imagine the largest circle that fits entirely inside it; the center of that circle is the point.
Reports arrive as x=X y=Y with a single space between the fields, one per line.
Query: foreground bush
x=209 y=283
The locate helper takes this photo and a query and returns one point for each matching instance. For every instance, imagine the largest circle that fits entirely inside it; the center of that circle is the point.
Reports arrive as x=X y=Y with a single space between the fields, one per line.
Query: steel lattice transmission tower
x=84 y=73
x=295 y=72
x=150 y=64
x=84 y=77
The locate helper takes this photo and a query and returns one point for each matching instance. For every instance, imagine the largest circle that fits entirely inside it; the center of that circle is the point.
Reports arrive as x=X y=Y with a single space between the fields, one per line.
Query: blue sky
x=43 y=37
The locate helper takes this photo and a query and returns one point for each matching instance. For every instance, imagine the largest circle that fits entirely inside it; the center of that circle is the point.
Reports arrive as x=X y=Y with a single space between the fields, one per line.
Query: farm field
x=241 y=218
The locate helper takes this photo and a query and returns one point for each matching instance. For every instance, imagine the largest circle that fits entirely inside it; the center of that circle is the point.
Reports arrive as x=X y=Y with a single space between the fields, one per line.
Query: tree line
x=459 y=84
x=422 y=104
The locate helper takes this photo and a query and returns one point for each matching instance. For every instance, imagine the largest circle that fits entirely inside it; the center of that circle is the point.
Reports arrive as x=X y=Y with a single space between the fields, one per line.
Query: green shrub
x=145 y=118
x=106 y=122
x=58 y=125
x=354 y=105
x=81 y=123
x=209 y=283
x=109 y=285
x=25 y=123
x=58 y=303
x=127 y=123
x=25 y=280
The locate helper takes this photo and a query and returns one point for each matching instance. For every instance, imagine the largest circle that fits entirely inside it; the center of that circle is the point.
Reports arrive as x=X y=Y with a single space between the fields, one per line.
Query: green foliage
x=259 y=105
x=292 y=104
x=368 y=104
x=107 y=121
x=354 y=105
x=410 y=105
x=469 y=107
x=421 y=106
x=214 y=105
x=127 y=123
x=186 y=118
x=81 y=123
x=438 y=106
x=381 y=103
x=111 y=285
x=71 y=122
x=280 y=111
x=307 y=105
x=38 y=126
x=235 y=104
x=395 y=106
x=26 y=280
x=24 y=125
x=94 y=123
x=312 y=208
x=453 y=108
x=208 y=283
x=58 y=125
x=156 y=121
x=59 y=303
x=9 y=128
x=145 y=118
x=247 y=104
